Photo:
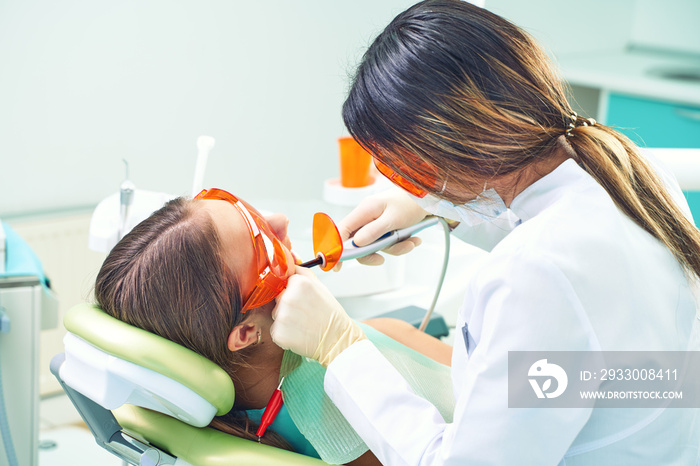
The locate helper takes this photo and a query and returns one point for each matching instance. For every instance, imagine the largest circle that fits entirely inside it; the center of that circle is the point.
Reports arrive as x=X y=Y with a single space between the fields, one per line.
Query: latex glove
x=378 y=214
x=309 y=321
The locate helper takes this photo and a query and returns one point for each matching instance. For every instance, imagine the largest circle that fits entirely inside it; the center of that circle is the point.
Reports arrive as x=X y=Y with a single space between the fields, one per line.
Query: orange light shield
x=327 y=240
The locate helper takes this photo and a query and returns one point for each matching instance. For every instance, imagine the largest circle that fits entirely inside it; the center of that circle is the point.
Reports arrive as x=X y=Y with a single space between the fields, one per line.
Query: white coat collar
x=545 y=191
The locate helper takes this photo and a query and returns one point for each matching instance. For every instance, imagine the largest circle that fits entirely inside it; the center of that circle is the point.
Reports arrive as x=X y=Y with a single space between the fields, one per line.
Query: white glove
x=378 y=214
x=309 y=321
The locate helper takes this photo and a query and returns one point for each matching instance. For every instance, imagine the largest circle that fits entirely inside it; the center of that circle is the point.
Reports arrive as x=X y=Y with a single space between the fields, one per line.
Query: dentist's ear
x=243 y=336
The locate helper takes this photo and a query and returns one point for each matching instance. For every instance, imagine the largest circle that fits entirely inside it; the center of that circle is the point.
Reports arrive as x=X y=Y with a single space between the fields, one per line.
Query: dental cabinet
x=655 y=123
x=27 y=306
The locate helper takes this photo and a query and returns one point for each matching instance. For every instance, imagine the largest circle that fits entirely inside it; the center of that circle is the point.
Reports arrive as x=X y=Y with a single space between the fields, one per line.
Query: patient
x=191 y=273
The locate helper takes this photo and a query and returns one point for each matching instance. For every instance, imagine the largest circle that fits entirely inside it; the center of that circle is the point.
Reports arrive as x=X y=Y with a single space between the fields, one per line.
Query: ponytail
x=617 y=165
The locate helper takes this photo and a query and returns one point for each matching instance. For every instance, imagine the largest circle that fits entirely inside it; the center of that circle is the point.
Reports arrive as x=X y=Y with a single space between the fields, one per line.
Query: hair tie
x=572 y=124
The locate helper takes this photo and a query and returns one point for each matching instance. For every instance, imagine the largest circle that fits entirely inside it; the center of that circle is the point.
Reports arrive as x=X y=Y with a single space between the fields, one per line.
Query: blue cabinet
x=656 y=123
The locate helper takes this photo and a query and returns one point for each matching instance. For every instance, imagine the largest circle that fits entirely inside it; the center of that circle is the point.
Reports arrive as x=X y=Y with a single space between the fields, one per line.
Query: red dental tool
x=271 y=410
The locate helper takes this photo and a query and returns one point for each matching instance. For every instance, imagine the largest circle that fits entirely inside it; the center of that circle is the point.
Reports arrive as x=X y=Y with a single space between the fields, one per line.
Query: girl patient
x=204 y=273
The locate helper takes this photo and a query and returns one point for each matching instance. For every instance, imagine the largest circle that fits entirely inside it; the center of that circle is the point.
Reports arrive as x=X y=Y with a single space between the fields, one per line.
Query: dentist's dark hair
x=451 y=95
x=167 y=276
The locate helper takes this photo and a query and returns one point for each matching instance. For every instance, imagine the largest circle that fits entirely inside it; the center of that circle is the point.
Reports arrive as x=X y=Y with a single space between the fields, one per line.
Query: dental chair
x=148 y=400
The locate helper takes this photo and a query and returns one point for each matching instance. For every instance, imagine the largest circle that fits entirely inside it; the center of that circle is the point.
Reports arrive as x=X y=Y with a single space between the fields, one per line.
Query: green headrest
x=153 y=352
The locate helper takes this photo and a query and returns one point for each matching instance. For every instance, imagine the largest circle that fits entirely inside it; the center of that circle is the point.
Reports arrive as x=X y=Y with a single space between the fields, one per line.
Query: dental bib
x=321 y=422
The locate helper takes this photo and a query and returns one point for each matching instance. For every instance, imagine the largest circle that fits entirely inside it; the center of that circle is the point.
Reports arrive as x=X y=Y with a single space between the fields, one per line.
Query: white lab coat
x=577 y=274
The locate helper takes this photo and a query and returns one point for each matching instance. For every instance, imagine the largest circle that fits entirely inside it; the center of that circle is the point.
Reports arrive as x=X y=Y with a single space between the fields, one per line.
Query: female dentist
x=592 y=249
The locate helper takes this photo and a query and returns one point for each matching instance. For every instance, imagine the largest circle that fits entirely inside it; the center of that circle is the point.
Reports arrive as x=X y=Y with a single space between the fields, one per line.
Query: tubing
x=445 y=261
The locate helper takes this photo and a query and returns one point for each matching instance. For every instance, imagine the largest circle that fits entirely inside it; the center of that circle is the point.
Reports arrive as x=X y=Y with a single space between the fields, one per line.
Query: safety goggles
x=404 y=183
x=272 y=265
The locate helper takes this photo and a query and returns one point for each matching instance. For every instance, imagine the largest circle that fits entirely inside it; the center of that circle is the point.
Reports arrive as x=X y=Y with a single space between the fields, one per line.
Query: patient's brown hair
x=167 y=276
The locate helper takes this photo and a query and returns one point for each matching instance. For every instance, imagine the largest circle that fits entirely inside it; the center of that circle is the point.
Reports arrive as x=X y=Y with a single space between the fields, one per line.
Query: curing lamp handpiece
x=352 y=251
x=338 y=251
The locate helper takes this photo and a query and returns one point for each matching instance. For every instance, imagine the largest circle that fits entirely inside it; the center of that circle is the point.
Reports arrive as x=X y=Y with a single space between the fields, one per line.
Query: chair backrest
x=114 y=363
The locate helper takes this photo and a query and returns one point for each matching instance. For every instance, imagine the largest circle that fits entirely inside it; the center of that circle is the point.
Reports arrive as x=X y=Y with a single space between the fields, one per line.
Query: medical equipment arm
x=309 y=321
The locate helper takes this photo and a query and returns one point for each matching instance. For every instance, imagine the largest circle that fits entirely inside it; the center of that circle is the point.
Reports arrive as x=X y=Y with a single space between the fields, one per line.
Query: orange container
x=355 y=164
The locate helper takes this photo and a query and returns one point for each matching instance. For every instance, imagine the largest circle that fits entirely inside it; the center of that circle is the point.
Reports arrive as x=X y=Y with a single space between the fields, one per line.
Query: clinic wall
x=564 y=28
x=667 y=25
x=86 y=83
x=569 y=28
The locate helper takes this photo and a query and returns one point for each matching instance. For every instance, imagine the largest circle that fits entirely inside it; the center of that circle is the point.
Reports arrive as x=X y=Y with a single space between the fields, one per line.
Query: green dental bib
x=321 y=422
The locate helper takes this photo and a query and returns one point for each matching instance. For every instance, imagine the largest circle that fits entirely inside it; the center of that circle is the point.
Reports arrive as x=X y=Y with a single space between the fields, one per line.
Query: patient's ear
x=243 y=336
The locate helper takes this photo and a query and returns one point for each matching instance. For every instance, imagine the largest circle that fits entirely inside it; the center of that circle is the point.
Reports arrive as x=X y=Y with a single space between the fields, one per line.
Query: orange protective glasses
x=402 y=182
x=273 y=266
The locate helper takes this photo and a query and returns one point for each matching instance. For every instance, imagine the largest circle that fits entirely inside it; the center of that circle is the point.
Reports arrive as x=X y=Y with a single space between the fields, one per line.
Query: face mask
x=483 y=222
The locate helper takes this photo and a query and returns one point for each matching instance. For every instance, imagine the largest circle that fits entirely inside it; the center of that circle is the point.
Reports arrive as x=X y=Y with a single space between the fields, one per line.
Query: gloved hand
x=378 y=214
x=309 y=321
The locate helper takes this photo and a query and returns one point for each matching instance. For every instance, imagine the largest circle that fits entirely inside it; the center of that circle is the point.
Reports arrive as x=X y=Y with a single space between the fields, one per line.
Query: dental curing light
x=330 y=249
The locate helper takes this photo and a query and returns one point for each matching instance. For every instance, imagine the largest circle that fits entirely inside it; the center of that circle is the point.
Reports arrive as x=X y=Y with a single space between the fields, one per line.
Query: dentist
x=592 y=248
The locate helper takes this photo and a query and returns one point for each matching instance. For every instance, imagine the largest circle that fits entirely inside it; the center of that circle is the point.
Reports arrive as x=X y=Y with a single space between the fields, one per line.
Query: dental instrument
x=106 y=229
x=126 y=198
x=204 y=145
x=330 y=249
x=350 y=250
x=271 y=410
x=353 y=251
